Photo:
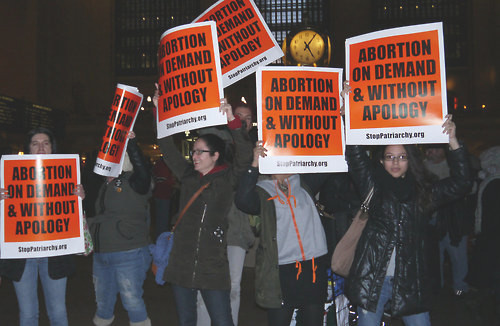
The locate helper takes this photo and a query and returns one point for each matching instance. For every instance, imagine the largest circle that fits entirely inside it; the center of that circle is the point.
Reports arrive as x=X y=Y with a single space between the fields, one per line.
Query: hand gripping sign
x=189 y=85
x=245 y=41
x=398 y=86
x=298 y=118
x=121 y=120
x=42 y=217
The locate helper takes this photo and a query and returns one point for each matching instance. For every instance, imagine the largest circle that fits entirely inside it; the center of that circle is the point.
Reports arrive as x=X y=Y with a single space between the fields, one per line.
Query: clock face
x=307 y=47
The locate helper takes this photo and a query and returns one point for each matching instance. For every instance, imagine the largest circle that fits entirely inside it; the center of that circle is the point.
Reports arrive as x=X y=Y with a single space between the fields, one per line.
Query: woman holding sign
x=390 y=263
x=120 y=232
x=291 y=262
x=53 y=271
x=198 y=261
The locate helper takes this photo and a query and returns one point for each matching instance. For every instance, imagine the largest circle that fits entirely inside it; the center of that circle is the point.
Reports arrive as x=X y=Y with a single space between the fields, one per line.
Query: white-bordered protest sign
x=398 y=82
x=42 y=217
x=299 y=121
x=190 y=79
x=121 y=119
x=245 y=40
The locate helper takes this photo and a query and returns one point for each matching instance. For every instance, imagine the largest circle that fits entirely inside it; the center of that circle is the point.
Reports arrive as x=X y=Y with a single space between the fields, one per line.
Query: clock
x=307 y=47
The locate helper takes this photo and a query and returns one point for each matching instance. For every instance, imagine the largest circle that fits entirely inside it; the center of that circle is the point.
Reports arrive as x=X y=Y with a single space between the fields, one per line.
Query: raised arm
x=360 y=169
x=140 y=180
x=246 y=198
x=171 y=155
x=459 y=183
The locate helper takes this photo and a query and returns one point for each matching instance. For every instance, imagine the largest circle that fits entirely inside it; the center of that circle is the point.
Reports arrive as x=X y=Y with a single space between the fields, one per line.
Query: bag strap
x=191 y=200
x=365 y=205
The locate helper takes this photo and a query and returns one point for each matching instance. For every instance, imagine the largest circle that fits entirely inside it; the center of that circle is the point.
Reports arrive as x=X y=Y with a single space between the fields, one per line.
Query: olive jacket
x=122 y=207
x=199 y=257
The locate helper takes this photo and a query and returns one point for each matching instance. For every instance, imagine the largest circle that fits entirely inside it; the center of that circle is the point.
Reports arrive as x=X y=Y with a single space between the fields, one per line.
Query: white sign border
x=110 y=169
x=249 y=67
x=269 y=164
x=433 y=133
x=73 y=245
x=213 y=115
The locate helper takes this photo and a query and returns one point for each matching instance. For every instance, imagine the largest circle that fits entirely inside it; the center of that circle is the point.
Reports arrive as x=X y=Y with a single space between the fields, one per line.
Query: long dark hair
x=215 y=144
x=423 y=179
x=40 y=130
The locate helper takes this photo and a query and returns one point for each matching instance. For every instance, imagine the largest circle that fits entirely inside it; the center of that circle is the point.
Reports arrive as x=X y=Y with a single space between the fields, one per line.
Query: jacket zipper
x=198 y=243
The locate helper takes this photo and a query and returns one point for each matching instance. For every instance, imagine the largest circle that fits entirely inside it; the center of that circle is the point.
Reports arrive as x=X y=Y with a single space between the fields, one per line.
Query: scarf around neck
x=402 y=188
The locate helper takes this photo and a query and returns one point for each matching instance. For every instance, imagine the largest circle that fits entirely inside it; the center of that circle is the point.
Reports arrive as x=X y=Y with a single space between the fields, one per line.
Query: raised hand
x=346 y=89
x=226 y=109
x=450 y=129
x=258 y=151
x=79 y=191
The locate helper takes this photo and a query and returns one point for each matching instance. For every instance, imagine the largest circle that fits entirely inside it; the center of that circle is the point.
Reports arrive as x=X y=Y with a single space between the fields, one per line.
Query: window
x=283 y=15
x=396 y=13
x=139 y=25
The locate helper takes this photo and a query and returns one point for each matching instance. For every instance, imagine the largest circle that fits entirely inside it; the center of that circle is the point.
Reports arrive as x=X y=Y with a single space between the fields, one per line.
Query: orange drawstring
x=298 y=265
x=314 y=268
x=288 y=196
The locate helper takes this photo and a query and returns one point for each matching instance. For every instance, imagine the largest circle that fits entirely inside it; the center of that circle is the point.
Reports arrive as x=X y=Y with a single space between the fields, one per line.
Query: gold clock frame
x=323 y=61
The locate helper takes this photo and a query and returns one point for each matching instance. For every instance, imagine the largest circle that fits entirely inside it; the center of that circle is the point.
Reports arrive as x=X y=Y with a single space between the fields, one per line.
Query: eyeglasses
x=199 y=151
x=400 y=157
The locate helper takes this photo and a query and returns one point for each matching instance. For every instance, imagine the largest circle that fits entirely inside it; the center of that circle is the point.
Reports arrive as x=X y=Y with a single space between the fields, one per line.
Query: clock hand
x=311 y=40
x=308 y=48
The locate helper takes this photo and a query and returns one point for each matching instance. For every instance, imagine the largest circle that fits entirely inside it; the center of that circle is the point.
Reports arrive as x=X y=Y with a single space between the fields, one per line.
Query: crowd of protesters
x=221 y=191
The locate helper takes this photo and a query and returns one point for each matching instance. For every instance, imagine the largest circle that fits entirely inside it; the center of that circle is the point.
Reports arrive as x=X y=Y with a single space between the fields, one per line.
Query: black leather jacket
x=400 y=225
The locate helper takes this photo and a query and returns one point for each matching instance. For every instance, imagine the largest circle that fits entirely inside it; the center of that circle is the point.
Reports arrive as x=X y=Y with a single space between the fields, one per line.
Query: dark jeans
x=216 y=301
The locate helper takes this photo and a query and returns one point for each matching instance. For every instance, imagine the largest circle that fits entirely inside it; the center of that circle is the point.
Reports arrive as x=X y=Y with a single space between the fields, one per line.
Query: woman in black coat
x=390 y=263
x=53 y=272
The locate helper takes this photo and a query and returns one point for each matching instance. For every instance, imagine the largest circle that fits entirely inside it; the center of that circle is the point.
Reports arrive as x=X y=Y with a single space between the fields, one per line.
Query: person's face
x=40 y=144
x=435 y=155
x=204 y=160
x=395 y=160
x=245 y=115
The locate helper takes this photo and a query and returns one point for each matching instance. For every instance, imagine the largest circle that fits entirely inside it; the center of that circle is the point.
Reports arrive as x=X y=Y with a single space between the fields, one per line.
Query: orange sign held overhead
x=124 y=109
x=299 y=122
x=398 y=86
x=189 y=81
x=245 y=41
x=42 y=217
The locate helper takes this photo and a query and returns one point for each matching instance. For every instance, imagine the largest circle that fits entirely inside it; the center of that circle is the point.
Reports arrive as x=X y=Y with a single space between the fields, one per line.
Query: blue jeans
x=27 y=294
x=121 y=272
x=368 y=318
x=216 y=301
x=458 y=259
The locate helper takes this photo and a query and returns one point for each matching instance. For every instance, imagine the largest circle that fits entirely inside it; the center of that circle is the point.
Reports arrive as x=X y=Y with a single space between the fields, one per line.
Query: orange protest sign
x=42 y=207
x=189 y=81
x=245 y=41
x=124 y=109
x=298 y=116
x=398 y=86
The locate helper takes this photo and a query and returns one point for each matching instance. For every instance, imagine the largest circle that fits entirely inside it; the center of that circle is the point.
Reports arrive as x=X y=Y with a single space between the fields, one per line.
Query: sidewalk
x=449 y=311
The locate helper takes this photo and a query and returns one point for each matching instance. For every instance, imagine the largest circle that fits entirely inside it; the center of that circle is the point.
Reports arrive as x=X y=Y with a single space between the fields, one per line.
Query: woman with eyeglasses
x=390 y=269
x=198 y=261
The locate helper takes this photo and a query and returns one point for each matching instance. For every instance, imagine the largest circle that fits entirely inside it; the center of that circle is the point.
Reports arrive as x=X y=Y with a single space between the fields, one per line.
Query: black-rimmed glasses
x=199 y=151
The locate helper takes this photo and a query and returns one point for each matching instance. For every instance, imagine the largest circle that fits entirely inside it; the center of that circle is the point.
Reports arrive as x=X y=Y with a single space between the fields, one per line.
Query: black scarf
x=402 y=188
